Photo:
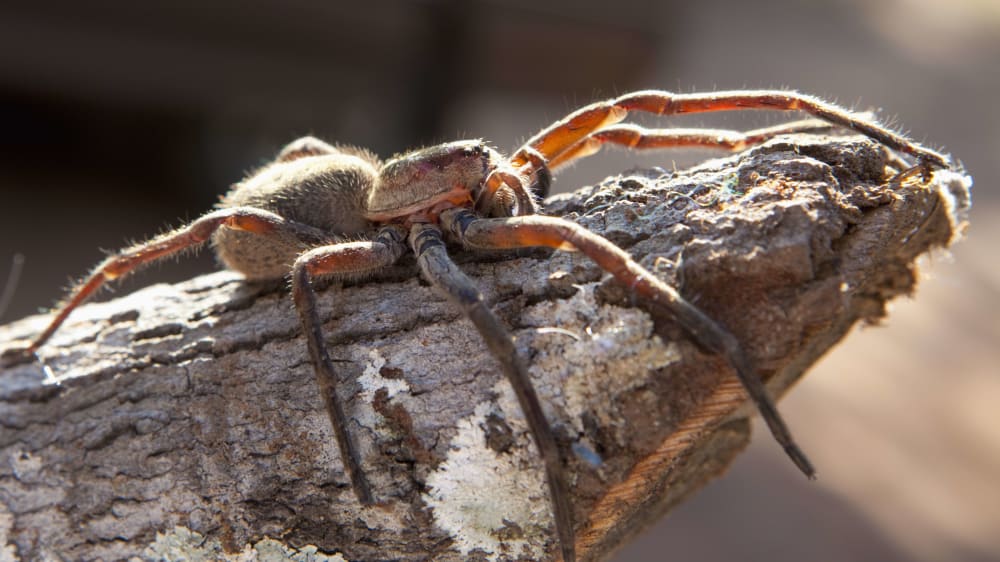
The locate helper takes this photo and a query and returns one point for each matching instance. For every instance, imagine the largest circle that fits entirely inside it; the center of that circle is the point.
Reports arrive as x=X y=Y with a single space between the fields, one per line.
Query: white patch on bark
x=603 y=350
x=371 y=381
x=8 y=552
x=506 y=497
x=614 y=351
x=182 y=543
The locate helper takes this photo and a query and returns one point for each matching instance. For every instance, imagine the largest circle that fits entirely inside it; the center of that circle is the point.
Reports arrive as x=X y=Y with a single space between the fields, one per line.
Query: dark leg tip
x=362 y=490
x=365 y=498
x=568 y=553
x=801 y=460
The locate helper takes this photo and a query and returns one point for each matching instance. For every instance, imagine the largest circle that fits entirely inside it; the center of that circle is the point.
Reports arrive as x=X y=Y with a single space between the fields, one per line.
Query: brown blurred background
x=118 y=119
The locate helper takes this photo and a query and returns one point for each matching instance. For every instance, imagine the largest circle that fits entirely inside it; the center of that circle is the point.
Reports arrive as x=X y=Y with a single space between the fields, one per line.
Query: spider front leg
x=339 y=260
x=552 y=142
x=519 y=232
x=641 y=138
x=449 y=279
x=539 y=170
x=193 y=235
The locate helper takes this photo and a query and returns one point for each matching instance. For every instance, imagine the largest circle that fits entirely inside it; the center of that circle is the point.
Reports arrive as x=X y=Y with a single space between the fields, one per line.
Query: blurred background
x=118 y=119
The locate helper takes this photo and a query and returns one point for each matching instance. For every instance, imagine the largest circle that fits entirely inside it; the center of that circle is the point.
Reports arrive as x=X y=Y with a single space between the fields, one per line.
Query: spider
x=320 y=210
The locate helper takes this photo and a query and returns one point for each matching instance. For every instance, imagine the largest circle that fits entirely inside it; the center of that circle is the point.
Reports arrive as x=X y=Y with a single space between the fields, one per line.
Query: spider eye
x=472 y=151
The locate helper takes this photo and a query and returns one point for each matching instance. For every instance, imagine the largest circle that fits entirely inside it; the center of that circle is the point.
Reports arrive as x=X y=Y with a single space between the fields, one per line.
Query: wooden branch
x=182 y=420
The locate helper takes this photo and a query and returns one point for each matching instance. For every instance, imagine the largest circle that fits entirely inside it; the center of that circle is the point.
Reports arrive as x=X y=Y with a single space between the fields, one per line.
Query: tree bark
x=183 y=420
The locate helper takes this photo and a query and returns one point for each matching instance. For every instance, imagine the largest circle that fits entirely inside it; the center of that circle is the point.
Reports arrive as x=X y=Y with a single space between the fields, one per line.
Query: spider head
x=422 y=179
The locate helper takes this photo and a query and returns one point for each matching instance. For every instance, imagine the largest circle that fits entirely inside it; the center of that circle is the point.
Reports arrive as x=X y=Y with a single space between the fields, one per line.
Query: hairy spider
x=320 y=210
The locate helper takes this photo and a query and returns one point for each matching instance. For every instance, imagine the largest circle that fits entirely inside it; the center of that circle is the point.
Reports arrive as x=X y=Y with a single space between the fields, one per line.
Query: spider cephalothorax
x=320 y=210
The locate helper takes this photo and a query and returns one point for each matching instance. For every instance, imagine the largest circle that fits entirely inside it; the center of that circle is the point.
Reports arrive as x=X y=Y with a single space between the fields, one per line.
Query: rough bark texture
x=182 y=421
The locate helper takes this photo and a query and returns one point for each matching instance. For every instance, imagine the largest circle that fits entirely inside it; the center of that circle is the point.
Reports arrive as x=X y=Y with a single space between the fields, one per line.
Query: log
x=182 y=421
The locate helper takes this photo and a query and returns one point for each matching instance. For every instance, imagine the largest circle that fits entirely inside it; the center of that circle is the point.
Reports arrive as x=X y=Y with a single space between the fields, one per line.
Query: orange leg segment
x=568 y=131
x=666 y=103
x=636 y=137
x=569 y=138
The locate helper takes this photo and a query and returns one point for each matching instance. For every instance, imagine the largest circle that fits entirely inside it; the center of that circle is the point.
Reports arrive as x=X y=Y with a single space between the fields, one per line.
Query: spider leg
x=636 y=137
x=340 y=260
x=538 y=170
x=449 y=279
x=517 y=232
x=169 y=244
x=563 y=134
x=583 y=132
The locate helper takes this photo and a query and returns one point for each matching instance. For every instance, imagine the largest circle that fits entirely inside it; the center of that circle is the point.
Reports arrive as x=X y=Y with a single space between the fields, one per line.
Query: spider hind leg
x=193 y=235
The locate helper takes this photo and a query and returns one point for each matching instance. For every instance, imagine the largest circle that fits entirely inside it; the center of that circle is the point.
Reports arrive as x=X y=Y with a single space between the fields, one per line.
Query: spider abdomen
x=323 y=192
